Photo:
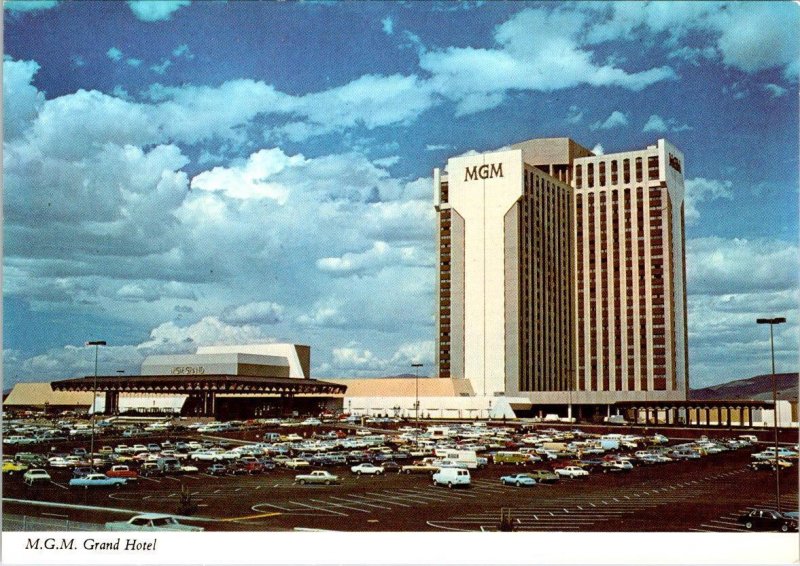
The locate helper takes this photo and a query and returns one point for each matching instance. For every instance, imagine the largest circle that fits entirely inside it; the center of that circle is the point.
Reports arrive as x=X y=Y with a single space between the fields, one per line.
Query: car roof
x=152 y=516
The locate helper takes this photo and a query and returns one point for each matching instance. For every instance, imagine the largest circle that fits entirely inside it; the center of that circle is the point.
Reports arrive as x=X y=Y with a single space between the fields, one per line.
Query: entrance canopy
x=183 y=384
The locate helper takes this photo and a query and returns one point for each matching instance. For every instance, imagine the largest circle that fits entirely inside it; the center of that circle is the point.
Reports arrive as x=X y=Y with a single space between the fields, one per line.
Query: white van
x=452 y=477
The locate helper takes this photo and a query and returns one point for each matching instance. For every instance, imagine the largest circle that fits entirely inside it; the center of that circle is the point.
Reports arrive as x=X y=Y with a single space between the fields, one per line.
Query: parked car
x=391 y=467
x=237 y=468
x=35 y=476
x=317 y=476
x=59 y=462
x=206 y=456
x=768 y=519
x=31 y=459
x=149 y=469
x=295 y=463
x=616 y=466
x=151 y=522
x=452 y=477
x=517 y=458
x=18 y=440
x=122 y=472
x=251 y=465
x=217 y=470
x=572 y=472
x=97 y=480
x=367 y=468
x=82 y=471
x=518 y=480
x=544 y=476
x=420 y=468
x=311 y=422
x=10 y=467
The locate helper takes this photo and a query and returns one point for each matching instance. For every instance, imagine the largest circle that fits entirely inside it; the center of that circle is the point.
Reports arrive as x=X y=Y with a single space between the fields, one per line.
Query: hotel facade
x=562 y=273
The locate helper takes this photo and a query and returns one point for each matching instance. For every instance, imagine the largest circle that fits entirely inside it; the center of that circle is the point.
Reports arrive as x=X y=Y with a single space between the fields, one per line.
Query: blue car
x=518 y=480
x=97 y=480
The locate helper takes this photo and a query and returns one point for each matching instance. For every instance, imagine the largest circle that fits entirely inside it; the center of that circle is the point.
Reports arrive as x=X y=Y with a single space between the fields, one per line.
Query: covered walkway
x=722 y=413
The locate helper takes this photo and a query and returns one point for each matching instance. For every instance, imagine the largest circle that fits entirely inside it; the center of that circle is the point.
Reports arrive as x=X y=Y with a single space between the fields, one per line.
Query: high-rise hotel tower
x=561 y=273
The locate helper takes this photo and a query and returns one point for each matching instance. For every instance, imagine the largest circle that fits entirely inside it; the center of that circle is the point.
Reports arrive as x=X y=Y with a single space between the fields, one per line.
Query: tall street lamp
x=96 y=344
x=772 y=322
x=416 y=397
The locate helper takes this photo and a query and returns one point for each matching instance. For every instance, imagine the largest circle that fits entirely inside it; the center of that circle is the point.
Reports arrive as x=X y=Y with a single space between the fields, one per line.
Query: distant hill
x=758 y=387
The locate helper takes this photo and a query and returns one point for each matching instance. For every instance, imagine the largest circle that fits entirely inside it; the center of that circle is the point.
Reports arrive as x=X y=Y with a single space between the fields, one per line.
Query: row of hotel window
x=652 y=172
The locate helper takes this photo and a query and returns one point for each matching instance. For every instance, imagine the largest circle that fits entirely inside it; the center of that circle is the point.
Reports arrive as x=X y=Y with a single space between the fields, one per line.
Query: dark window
x=652 y=167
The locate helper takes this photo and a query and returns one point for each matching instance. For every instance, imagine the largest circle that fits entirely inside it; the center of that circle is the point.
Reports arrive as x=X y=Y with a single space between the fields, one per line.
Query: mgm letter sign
x=483 y=172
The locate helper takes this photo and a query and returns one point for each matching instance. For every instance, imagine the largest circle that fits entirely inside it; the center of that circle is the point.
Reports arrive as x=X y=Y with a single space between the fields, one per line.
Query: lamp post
x=96 y=344
x=772 y=322
x=416 y=367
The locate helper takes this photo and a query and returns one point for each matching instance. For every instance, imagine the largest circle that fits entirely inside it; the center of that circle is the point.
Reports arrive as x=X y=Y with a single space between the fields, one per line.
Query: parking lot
x=706 y=494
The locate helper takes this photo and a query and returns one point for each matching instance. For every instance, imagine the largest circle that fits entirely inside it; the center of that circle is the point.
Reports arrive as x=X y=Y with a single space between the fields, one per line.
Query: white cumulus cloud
x=155 y=11
x=380 y=255
x=616 y=119
x=251 y=181
x=262 y=312
x=699 y=190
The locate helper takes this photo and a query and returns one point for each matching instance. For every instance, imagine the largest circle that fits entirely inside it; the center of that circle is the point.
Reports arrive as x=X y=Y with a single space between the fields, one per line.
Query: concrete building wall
x=296 y=356
x=630 y=302
x=482 y=188
x=216 y=363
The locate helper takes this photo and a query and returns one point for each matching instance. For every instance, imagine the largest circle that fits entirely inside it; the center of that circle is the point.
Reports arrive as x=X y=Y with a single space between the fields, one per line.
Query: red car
x=251 y=465
x=122 y=472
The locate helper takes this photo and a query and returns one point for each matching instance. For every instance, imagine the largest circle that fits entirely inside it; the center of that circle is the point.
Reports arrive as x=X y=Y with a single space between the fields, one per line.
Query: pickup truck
x=317 y=476
x=122 y=472
x=97 y=480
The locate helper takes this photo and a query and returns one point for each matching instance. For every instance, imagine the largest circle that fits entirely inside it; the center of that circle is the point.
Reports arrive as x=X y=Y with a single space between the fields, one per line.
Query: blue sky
x=179 y=174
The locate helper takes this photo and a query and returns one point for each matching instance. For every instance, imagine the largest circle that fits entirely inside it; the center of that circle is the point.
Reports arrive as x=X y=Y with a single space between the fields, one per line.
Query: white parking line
x=377 y=499
x=461 y=493
x=340 y=505
x=717 y=527
x=362 y=503
x=59 y=485
x=391 y=501
x=404 y=497
x=149 y=479
x=439 y=497
x=321 y=509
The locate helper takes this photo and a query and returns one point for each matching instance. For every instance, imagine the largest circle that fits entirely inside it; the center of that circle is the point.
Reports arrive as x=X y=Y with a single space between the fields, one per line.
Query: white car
x=58 y=462
x=572 y=472
x=367 y=468
x=37 y=475
x=151 y=522
x=311 y=422
x=206 y=456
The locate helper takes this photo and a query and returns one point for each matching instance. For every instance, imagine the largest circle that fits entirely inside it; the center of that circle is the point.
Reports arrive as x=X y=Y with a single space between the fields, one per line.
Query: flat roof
x=205 y=383
x=405 y=387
